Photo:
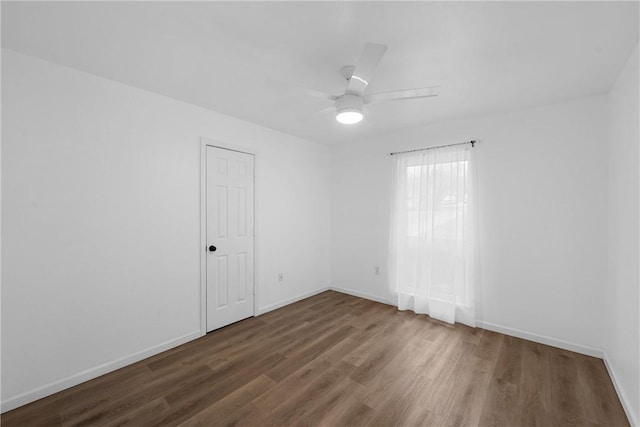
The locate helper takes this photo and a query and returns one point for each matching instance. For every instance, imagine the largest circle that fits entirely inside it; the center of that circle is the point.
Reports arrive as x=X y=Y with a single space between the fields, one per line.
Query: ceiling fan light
x=349 y=116
x=349 y=108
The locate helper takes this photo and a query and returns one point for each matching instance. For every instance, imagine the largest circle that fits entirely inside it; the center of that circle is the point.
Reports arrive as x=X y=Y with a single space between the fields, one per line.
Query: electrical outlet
x=376 y=270
x=280 y=277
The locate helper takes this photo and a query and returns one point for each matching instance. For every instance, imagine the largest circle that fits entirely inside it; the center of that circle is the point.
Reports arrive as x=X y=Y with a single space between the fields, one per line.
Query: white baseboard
x=628 y=409
x=91 y=373
x=361 y=295
x=277 y=305
x=553 y=342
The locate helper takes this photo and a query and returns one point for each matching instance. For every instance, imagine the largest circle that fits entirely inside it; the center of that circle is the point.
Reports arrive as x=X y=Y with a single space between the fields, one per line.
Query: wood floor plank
x=501 y=399
x=146 y=415
x=223 y=409
x=499 y=404
x=309 y=352
x=466 y=397
x=338 y=360
x=399 y=405
x=212 y=389
x=535 y=400
x=564 y=390
x=392 y=377
x=248 y=416
x=342 y=406
x=296 y=381
x=349 y=413
x=133 y=398
x=294 y=410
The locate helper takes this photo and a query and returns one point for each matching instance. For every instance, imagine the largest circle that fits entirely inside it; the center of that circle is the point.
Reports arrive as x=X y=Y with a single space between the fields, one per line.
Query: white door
x=230 y=250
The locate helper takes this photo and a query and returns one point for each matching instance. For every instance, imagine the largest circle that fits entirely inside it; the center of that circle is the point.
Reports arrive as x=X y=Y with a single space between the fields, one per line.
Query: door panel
x=230 y=225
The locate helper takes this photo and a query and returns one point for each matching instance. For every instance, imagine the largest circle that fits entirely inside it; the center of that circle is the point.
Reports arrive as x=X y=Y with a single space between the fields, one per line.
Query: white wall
x=622 y=326
x=542 y=200
x=101 y=222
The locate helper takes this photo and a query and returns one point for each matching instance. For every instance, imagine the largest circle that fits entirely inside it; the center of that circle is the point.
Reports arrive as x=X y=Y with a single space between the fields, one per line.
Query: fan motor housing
x=349 y=102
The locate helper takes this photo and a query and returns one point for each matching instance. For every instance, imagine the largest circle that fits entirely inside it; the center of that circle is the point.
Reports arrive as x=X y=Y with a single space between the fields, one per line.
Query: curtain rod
x=472 y=142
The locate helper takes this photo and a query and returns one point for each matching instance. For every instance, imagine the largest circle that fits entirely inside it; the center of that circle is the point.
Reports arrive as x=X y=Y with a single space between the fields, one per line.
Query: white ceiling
x=487 y=56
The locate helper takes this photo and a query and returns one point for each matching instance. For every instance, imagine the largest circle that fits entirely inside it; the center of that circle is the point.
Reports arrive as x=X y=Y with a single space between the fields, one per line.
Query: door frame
x=204 y=143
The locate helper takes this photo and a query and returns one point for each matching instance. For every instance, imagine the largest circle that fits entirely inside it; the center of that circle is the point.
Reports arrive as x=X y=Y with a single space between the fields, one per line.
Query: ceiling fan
x=349 y=105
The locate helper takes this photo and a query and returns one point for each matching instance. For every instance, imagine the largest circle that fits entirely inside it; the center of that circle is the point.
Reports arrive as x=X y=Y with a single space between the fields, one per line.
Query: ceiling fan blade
x=399 y=95
x=366 y=65
x=300 y=89
x=305 y=117
x=325 y=111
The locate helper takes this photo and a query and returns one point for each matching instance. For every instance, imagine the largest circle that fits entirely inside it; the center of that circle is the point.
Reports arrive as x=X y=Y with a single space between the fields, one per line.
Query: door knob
x=212 y=248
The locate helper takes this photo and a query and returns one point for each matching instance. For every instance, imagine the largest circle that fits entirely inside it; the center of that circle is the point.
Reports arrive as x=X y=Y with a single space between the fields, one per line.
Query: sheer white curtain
x=433 y=249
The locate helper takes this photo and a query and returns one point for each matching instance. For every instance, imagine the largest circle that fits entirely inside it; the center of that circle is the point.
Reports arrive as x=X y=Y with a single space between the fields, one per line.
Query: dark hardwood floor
x=337 y=360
